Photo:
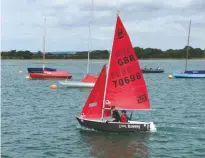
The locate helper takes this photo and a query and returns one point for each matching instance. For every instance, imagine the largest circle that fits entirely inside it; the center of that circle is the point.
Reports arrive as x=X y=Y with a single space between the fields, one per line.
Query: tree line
x=147 y=53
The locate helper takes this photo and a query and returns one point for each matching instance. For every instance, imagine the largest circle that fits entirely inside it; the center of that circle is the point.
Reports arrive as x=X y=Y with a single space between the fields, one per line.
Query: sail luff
x=106 y=86
x=187 y=49
x=106 y=81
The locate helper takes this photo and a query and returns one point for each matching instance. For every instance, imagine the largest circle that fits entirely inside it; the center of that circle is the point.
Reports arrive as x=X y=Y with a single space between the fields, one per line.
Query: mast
x=90 y=39
x=44 y=43
x=108 y=69
x=106 y=86
x=187 y=49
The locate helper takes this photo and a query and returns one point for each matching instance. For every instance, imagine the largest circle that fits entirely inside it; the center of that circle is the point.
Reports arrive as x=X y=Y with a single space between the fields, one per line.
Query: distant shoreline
x=142 y=54
x=107 y=59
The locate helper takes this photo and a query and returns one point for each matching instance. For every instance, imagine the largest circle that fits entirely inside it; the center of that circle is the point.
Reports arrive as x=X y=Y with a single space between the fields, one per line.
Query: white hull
x=77 y=84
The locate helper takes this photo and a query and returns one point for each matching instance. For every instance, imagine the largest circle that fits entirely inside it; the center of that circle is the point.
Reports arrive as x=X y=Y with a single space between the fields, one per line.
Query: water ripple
x=39 y=122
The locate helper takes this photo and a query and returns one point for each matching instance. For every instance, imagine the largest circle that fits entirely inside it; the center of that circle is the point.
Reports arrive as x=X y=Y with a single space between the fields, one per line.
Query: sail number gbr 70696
x=126 y=80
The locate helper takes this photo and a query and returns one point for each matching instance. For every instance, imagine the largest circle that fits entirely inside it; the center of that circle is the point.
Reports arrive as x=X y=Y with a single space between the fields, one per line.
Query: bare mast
x=44 y=43
x=187 y=48
x=90 y=39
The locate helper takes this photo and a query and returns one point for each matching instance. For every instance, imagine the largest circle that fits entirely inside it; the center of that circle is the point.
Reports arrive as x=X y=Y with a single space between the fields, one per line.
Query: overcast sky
x=149 y=23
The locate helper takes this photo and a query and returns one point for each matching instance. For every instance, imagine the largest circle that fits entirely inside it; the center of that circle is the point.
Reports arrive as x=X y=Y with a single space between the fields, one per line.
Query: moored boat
x=189 y=73
x=39 y=70
x=89 y=80
x=50 y=75
x=47 y=73
x=77 y=84
x=195 y=72
x=150 y=70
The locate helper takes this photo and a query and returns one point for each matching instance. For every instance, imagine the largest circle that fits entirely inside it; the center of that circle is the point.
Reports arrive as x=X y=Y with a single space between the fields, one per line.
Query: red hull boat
x=51 y=75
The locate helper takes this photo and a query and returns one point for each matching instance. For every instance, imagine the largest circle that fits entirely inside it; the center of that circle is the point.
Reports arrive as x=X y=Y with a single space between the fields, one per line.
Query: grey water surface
x=38 y=122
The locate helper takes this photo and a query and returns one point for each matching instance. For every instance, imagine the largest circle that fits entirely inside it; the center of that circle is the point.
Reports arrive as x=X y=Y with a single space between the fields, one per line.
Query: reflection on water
x=107 y=145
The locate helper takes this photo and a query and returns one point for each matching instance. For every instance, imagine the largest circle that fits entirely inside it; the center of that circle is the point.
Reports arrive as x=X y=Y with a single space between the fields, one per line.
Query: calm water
x=40 y=122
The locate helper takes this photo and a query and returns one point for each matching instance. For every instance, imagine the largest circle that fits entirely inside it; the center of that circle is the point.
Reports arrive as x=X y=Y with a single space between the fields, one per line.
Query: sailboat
x=189 y=73
x=47 y=73
x=89 y=79
x=152 y=70
x=123 y=86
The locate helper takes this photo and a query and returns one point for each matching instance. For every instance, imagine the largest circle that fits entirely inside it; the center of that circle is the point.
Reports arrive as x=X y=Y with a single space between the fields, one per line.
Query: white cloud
x=68 y=20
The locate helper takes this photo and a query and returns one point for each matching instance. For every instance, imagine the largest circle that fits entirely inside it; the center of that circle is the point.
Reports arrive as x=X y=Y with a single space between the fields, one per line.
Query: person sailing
x=124 y=117
x=115 y=115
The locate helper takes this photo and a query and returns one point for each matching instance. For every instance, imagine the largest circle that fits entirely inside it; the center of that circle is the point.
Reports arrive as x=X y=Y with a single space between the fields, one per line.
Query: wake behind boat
x=123 y=87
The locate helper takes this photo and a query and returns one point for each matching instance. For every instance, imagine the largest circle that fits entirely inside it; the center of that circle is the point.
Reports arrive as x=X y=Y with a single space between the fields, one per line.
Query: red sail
x=89 y=78
x=126 y=88
x=94 y=104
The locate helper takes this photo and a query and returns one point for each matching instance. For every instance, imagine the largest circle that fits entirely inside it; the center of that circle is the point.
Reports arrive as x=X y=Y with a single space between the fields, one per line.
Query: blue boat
x=195 y=72
x=189 y=73
x=39 y=70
